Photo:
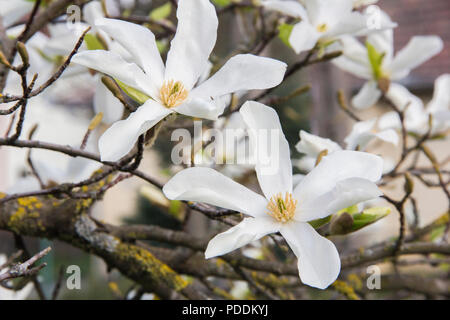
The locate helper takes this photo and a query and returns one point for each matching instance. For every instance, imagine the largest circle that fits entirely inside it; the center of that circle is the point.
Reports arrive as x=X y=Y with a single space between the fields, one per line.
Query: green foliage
x=369 y=216
x=93 y=43
x=284 y=32
x=133 y=93
x=221 y=3
x=161 y=12
x=320 y=222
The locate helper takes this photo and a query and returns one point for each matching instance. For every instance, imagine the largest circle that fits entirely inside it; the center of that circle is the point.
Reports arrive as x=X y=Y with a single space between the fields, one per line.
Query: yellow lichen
x=347 y=290
x=142 y=261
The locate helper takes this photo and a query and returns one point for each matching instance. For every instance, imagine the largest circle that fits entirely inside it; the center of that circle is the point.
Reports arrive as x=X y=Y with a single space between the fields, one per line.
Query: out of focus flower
x=342 y=179
x=376 y=62
x=322 y=21
x=416 y=115
x=172 y=88
x=13 y=11
x=362 y=133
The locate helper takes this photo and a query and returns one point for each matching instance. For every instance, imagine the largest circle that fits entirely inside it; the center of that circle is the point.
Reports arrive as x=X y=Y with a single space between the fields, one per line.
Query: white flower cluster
x=342 y=178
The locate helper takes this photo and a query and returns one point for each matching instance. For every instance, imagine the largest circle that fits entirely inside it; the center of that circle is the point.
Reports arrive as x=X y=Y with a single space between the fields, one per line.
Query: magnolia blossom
x=362 y=133
x=416 y=115
x=6 y=294
x=172 y=88
x=322 y=21
x=342 y=179
x=376 y=62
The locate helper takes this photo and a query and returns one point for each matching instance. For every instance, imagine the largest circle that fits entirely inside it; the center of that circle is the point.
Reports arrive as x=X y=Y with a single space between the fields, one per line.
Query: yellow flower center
x=282 y=209
x=173 y=93
x=322 y=27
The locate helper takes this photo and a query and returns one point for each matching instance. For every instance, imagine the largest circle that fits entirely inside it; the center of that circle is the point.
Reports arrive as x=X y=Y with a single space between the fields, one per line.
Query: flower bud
x=341 y=223
x=23 y=52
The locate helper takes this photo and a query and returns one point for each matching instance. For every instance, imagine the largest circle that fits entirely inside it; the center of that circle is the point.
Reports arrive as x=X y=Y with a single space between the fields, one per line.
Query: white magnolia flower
x=362 y=133
x=322 y=21
x=356 y=60
x=342 y=179
x=172 y=88
x=6 y=294
x=416 y=115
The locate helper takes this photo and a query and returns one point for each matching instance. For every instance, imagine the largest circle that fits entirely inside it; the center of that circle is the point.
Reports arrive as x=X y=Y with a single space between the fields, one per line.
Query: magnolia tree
x=281 y=218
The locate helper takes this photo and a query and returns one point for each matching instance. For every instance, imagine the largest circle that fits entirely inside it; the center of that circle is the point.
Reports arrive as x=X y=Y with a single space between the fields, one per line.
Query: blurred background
x=64 y=120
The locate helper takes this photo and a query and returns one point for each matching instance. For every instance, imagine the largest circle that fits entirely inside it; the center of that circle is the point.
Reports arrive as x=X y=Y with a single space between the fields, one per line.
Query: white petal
x=209 y=186
x=200 y=108
x=140 y=42
x=360 y=135
x=441 y=95
x=367 y=96
x=287 y=7
x=312 y=145
x=318 y=260
x=389 y=136
x=306 y=164
x=120 y=138
x=401 y=97
x=389 y=120
x=104 y=101
x=418 y=50
x=303 y=37
x=296 y=178
x=12 y=11
x=336 y=167
x=112 y=64
x=329 y=12
x=383 y=41
x=273 y=162
x=193 y=42
x=93 y=11
x=346 y=193
x=242 y=72
x=354 y=58
x=250 y=229
x=348 y=24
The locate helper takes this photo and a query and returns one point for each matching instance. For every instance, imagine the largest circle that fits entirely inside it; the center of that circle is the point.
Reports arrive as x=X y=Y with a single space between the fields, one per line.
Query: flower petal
x=250 y=229
x=313 y=145
x=209 y=186
x=367 y=96
x=287 y=7
x=112 y=64
x=139 y=42
x=303 y=37
x=201 y=108
x=120 y=138
x=401 y=97
x=242 y=72
x=318 y=259
x=104 y=101
x=328 y=12
x=418 y=50
x=441 y=95
x=274 y=167
x=193 y=42
x=336 y=167
x=354 y=58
